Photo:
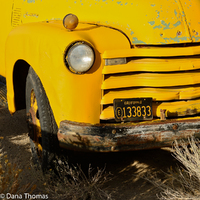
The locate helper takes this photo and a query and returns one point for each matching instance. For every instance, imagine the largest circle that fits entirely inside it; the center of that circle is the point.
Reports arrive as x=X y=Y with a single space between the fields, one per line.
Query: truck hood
x=148 y=21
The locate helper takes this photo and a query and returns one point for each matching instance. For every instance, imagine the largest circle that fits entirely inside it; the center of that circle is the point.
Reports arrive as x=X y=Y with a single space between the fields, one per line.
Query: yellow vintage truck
x=102 y=75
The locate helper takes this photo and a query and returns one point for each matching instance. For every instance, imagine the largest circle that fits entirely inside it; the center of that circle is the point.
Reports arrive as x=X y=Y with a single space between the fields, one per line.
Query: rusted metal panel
x=123 y=137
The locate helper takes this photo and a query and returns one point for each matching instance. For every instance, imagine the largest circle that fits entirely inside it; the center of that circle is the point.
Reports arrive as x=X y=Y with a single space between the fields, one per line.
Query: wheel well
x=20 y=73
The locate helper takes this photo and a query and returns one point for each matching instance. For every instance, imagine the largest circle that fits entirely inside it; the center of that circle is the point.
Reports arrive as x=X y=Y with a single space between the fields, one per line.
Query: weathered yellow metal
x=191 y=11
x=157 y=94
x=151 y=80
x=165 y=21
x=158 y=38
x=154 y=65
x=35 y=123
x=151 y=51
x=172 y=109
x=5 y=19
x=46 y=56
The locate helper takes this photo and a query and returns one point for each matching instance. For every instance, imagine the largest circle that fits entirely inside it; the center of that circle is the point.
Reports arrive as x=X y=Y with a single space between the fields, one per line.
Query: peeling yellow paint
x=115 y=29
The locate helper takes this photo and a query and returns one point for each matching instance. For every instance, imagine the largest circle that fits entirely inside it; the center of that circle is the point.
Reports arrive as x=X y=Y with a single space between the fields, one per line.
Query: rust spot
x=101 y=137
x=113 y=131
x=162 y=114
x=175 y=126
x=179 y=33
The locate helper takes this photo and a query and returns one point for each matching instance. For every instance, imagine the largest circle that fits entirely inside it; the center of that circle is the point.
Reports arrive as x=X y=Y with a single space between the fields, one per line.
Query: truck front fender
x=42 y=45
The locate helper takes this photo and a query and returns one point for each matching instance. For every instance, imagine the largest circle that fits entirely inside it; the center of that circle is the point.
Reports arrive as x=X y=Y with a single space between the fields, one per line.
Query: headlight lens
x=80 y=58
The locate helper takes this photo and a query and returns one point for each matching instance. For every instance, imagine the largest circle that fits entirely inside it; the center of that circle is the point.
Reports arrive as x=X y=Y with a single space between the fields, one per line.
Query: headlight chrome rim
x=72 y=49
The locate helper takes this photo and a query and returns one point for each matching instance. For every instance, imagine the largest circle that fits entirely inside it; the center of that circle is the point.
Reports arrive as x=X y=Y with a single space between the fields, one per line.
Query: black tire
x=42 y=126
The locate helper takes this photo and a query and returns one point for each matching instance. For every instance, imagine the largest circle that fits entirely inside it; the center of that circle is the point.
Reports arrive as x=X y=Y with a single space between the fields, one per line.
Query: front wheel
x=42 y=126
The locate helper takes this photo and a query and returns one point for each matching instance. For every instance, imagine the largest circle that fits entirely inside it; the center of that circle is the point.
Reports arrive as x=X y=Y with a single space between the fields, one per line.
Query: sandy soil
x=126 y=168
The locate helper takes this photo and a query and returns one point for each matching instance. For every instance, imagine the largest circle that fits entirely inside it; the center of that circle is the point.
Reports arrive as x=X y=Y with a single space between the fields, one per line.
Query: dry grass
x=72 y=183
x=183 y=183
x=10 y=178
x=63 y=182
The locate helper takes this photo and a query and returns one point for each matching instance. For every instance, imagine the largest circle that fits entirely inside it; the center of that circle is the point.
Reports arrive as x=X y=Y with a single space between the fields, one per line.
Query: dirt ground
x=126 y=168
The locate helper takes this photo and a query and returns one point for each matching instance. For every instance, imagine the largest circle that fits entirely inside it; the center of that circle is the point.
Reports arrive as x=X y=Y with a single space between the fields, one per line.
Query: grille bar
x=157 y=94
x=153 y=52
x=151 y=80
x=154 y=65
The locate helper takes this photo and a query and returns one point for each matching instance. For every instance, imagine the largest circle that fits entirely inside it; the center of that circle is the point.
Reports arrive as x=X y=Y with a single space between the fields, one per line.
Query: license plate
x=135 y=109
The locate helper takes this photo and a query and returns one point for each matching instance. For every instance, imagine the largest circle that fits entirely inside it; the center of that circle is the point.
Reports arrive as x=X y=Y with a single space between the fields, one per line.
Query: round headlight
x=80 y=58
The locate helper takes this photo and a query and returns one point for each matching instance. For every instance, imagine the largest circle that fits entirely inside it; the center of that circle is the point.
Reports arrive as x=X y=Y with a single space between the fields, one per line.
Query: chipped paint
x=166 y=16
x=166 y=26
x=31 y=14
x=136 y=41
x=159 y=27
x=151 y=23
x=196 y=39
x=177 y=24
x=183 y=14
x=31 y=1
x=158 y=14
x=176 y=39
x=116 y=26
x=191 y=11
x=175 y=12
